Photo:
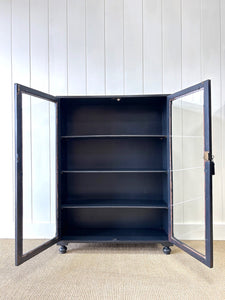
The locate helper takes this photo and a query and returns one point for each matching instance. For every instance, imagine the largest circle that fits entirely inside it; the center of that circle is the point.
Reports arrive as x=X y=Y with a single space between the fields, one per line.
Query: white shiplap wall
x=110 y=47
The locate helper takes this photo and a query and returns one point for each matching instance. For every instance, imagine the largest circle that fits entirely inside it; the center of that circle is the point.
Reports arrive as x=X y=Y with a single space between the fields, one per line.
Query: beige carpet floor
x=94 y=271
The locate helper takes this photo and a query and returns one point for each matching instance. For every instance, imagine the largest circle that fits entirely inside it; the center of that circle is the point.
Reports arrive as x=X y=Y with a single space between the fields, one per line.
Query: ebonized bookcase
x=113 y=170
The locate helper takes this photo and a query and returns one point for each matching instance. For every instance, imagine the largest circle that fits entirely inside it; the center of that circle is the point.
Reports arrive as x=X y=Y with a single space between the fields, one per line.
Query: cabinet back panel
x=143 y=186
x=112 y=218
x=114 y=154
x=107 y=116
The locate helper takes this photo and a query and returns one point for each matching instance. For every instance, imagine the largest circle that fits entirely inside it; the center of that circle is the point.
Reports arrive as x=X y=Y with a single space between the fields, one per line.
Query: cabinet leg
x=62 y=249
x=166 y=250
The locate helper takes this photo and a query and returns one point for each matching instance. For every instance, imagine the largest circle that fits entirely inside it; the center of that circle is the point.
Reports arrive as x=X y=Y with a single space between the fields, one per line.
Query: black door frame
x=20 y=257
x=207 y=259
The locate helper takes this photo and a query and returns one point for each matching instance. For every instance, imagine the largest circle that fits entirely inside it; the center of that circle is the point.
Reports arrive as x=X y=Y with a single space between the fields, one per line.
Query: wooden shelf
x=112 y=171
x=110 y=203
x=117 y=235
x=67 y=137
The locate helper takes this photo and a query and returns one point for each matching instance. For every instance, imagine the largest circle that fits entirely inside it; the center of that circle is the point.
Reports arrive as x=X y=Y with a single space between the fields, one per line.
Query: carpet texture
x=101 y=271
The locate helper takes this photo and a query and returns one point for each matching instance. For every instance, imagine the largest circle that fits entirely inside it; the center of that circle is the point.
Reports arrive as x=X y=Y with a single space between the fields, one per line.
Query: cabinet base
x=166 y=250
x=62 y=249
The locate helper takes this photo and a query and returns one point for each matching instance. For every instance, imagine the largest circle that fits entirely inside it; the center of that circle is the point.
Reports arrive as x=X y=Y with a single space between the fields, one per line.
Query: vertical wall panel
x=95 y=47
x=53 y=159
x=58 y=47
x=152 y=43
x=76 y=48
x=211 y=69
x=41 y=201
x=222 y=86
x=21 y=74
x=6 y=119
x=171 y=12
x=114 y=46
x=191 y=42
x=133 y=83
x=40 y=161
x=27 y=161
x=20 y=42
x=191 y=74
x=39 y=44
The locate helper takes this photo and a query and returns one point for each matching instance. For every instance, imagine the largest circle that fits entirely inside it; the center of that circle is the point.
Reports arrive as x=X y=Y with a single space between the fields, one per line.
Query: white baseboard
x=36 y=231
x=47 y=230
x=196 y=231
x=219 y=231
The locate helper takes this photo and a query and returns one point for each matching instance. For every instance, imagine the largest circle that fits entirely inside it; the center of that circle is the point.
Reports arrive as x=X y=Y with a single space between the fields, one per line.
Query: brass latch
x=207 y=156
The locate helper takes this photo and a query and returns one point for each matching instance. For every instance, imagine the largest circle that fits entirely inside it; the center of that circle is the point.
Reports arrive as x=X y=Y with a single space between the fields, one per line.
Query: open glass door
x=36 y=172
x=191 y=170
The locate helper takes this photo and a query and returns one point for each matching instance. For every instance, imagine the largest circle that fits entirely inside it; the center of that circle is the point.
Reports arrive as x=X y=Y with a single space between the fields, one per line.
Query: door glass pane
x=188 y=174
x=39 y=171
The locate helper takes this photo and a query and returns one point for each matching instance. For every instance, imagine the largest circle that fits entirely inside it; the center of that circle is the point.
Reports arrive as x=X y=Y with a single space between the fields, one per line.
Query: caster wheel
x=166 y=250
x=62 y=249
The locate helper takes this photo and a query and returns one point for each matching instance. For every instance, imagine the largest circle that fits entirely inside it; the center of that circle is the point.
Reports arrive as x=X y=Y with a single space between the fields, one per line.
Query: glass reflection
x=188 y=169
x=39 y=171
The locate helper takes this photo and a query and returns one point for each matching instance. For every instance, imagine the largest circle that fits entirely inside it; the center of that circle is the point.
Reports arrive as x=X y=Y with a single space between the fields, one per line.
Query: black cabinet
x=124 y=165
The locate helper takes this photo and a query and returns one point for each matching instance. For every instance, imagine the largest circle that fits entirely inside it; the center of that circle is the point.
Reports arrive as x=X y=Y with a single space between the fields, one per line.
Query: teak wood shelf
x=115 y=179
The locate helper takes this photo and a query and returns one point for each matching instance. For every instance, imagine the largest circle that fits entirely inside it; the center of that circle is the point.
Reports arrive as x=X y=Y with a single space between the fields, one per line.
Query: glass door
x=191 y=170
x=36 y=172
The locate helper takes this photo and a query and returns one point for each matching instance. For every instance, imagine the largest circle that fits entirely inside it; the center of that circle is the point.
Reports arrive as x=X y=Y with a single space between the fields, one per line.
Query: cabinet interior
x=114 y=168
